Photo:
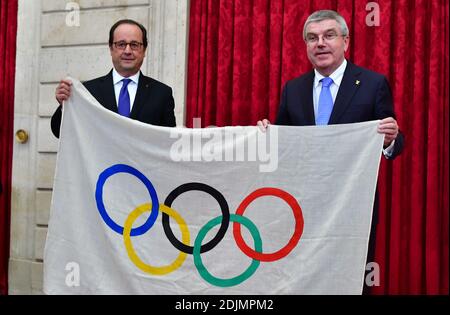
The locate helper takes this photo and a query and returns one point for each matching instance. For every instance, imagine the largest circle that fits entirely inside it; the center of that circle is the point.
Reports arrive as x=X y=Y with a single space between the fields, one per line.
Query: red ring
x=292 y=202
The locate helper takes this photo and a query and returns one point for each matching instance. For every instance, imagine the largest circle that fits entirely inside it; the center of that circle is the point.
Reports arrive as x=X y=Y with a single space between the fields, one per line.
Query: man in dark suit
x=125 y=90
x=338 y=92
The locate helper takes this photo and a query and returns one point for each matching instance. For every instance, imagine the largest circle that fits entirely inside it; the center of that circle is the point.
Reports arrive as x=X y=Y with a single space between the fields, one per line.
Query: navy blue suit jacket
x=363 y=95
x=153 y=104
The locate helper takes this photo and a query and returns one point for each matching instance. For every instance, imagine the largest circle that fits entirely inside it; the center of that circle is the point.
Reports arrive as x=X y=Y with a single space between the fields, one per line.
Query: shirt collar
x=336 y=76
x=117 y=77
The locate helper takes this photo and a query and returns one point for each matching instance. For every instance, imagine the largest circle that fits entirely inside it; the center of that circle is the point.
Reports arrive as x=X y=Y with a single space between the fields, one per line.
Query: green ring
x=198 y=260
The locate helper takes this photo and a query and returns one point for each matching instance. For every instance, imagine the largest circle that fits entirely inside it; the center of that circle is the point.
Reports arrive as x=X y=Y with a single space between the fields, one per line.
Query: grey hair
x=322 y=15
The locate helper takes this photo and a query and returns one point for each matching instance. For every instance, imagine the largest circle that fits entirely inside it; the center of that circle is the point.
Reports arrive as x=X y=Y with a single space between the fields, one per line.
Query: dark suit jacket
x=369 y=99
x=363 y=95
x=153 y=104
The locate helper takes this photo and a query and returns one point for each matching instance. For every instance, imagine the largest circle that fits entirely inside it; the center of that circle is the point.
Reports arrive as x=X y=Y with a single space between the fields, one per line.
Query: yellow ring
x=132 y=253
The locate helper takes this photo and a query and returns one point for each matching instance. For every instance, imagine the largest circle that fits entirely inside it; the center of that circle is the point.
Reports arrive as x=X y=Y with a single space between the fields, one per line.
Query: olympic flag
x=140 y=209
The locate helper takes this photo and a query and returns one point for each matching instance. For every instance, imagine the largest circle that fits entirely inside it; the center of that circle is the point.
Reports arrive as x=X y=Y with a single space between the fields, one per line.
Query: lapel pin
x=357 y=82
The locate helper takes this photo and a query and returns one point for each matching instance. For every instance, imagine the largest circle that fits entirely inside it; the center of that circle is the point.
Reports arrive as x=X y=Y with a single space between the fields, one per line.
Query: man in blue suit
x=338 y=92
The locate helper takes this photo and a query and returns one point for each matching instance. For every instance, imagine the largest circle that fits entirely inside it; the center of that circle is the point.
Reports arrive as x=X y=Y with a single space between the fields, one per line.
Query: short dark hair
x=132 y=22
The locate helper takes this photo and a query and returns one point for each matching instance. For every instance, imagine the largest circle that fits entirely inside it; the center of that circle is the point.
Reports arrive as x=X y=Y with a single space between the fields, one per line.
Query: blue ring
x=122 y=168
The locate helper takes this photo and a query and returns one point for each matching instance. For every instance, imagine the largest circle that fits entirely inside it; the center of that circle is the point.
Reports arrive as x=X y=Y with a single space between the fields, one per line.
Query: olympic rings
x=223 y=226
x=298 y=224
x=122 y=168
x=183 y=246
x=129 y=246
x=238 y=279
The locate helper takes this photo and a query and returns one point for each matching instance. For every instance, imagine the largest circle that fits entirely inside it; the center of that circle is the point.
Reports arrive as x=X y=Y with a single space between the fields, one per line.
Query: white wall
x=48 y=50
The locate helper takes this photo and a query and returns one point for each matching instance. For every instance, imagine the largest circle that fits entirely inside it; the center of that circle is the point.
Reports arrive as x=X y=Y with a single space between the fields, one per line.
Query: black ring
x=223 y=226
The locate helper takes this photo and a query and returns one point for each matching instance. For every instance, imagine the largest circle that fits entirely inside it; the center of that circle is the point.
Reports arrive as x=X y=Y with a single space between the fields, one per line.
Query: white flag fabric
x=141 y=209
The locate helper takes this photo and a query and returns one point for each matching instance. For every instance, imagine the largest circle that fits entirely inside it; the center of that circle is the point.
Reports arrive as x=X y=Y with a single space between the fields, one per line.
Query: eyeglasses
x=328 y=37
x=122 y=45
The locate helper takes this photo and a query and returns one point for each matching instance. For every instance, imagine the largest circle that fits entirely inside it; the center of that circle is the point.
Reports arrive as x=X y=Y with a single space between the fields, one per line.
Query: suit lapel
x=107 y=92
x=307 y=97
x=141 y=96
x=349 y=86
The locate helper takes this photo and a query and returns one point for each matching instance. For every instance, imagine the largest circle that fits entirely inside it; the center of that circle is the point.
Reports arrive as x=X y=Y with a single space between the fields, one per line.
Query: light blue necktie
x=124 y=99
x=325 y=102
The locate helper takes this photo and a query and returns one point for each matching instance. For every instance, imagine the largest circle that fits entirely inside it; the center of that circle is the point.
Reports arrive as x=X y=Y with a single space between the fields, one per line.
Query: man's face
x=327 y=52
x=127 y=61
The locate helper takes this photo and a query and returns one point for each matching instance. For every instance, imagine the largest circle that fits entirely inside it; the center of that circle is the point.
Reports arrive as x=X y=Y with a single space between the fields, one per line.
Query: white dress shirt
x=132 y=86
